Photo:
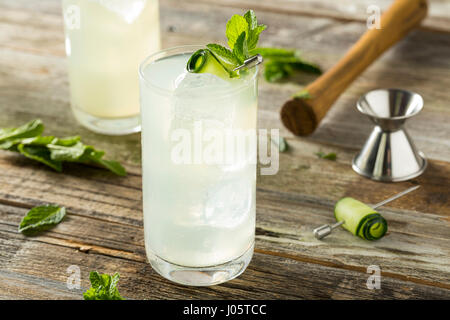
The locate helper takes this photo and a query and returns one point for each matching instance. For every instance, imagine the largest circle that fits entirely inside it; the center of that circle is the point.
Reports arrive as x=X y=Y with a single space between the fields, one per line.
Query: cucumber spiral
x=372 y=227
x=360 y=219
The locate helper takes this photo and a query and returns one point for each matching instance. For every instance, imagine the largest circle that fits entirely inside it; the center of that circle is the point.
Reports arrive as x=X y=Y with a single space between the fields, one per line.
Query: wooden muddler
x=302 y=115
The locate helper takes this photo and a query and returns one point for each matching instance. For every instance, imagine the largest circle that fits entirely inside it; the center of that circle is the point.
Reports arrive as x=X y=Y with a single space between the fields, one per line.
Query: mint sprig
x=243 y=36
x=41 y=218
x=51 y=151
x=103 y=287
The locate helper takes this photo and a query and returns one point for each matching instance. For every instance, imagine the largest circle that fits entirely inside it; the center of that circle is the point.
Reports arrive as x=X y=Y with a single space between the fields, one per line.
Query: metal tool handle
x=322 y=231
x=251 y=62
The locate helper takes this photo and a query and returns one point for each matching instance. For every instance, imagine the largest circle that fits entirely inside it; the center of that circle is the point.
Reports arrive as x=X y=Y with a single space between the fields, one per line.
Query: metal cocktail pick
x=324 y=230
x=251 y=62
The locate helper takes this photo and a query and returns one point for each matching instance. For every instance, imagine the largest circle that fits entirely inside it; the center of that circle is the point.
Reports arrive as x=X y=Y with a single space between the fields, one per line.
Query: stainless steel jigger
x=389 y=153
x=324 y=230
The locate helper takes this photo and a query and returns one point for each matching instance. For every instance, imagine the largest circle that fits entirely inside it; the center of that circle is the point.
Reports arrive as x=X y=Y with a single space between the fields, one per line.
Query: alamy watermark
x=225 y=147
x=374 y=19
x=74 y=277
x=374 y=281
x=72 y=17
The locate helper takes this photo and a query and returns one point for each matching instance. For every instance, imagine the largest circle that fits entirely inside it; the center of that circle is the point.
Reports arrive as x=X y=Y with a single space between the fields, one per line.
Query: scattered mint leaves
x=41 y=218
x=283 y=63
x=51 y=151
x=274 y=71
x=103 y=287
x=329 y=156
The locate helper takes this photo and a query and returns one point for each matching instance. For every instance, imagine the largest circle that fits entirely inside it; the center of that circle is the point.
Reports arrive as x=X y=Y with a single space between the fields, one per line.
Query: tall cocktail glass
x=199 y=169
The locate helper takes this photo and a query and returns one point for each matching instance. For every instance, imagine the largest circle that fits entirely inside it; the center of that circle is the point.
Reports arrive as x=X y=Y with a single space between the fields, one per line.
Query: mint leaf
x=254 y=29
x=240 y=49
x=113 y=166
x=66 y=153
x=271 y=53
x=225 y=55
x=113 y=285
x=250 y=17
x=253 y=38
x=92 y=156
x=37 y=141
x=41 y=154
x=68 y=141
x=275 y=71
x=235 y=26
x=41 y=218
x=31 y=129
x=330 y=156
x=96 y=279
x=103 y=287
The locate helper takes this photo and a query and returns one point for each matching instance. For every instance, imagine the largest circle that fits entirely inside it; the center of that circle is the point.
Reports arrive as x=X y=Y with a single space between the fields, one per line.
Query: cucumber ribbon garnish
x=243 y=35
x=360 y=219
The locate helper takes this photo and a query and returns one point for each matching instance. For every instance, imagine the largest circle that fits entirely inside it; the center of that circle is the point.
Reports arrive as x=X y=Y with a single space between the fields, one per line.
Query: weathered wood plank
x=105 y=224
x=268 y=277
x=289 y=205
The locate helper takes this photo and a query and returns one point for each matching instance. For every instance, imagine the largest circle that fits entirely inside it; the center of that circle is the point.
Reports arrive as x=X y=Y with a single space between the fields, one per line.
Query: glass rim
x=189 y=49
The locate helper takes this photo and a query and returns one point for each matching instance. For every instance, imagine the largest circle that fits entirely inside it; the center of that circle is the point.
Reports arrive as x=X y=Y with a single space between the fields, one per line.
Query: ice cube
x=201 y=98
x=194 y=84
x=230 y=202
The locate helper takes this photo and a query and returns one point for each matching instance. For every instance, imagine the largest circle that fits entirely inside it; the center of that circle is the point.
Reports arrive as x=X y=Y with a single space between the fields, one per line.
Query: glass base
x=114 y=127
x=201 y=276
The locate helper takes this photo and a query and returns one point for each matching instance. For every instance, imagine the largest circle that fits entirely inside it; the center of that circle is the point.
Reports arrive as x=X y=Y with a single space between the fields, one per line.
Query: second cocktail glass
x=106 y=40
x=198 y=185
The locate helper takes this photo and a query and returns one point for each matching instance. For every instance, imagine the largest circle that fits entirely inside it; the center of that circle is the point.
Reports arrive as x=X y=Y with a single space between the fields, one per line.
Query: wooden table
x=104 y=230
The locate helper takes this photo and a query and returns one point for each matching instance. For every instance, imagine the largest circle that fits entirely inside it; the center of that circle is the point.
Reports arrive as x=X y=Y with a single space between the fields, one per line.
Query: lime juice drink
x=106 y=40
x=199 y=205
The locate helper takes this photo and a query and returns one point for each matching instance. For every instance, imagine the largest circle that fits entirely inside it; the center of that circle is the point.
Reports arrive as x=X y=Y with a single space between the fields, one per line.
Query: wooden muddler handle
x=302 y=115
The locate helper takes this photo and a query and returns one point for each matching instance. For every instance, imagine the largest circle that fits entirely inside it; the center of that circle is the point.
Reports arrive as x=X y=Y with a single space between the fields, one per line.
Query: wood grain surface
x=103 y=230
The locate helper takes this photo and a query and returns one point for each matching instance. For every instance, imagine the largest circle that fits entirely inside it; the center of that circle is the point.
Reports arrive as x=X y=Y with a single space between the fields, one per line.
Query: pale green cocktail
x=199 y=208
